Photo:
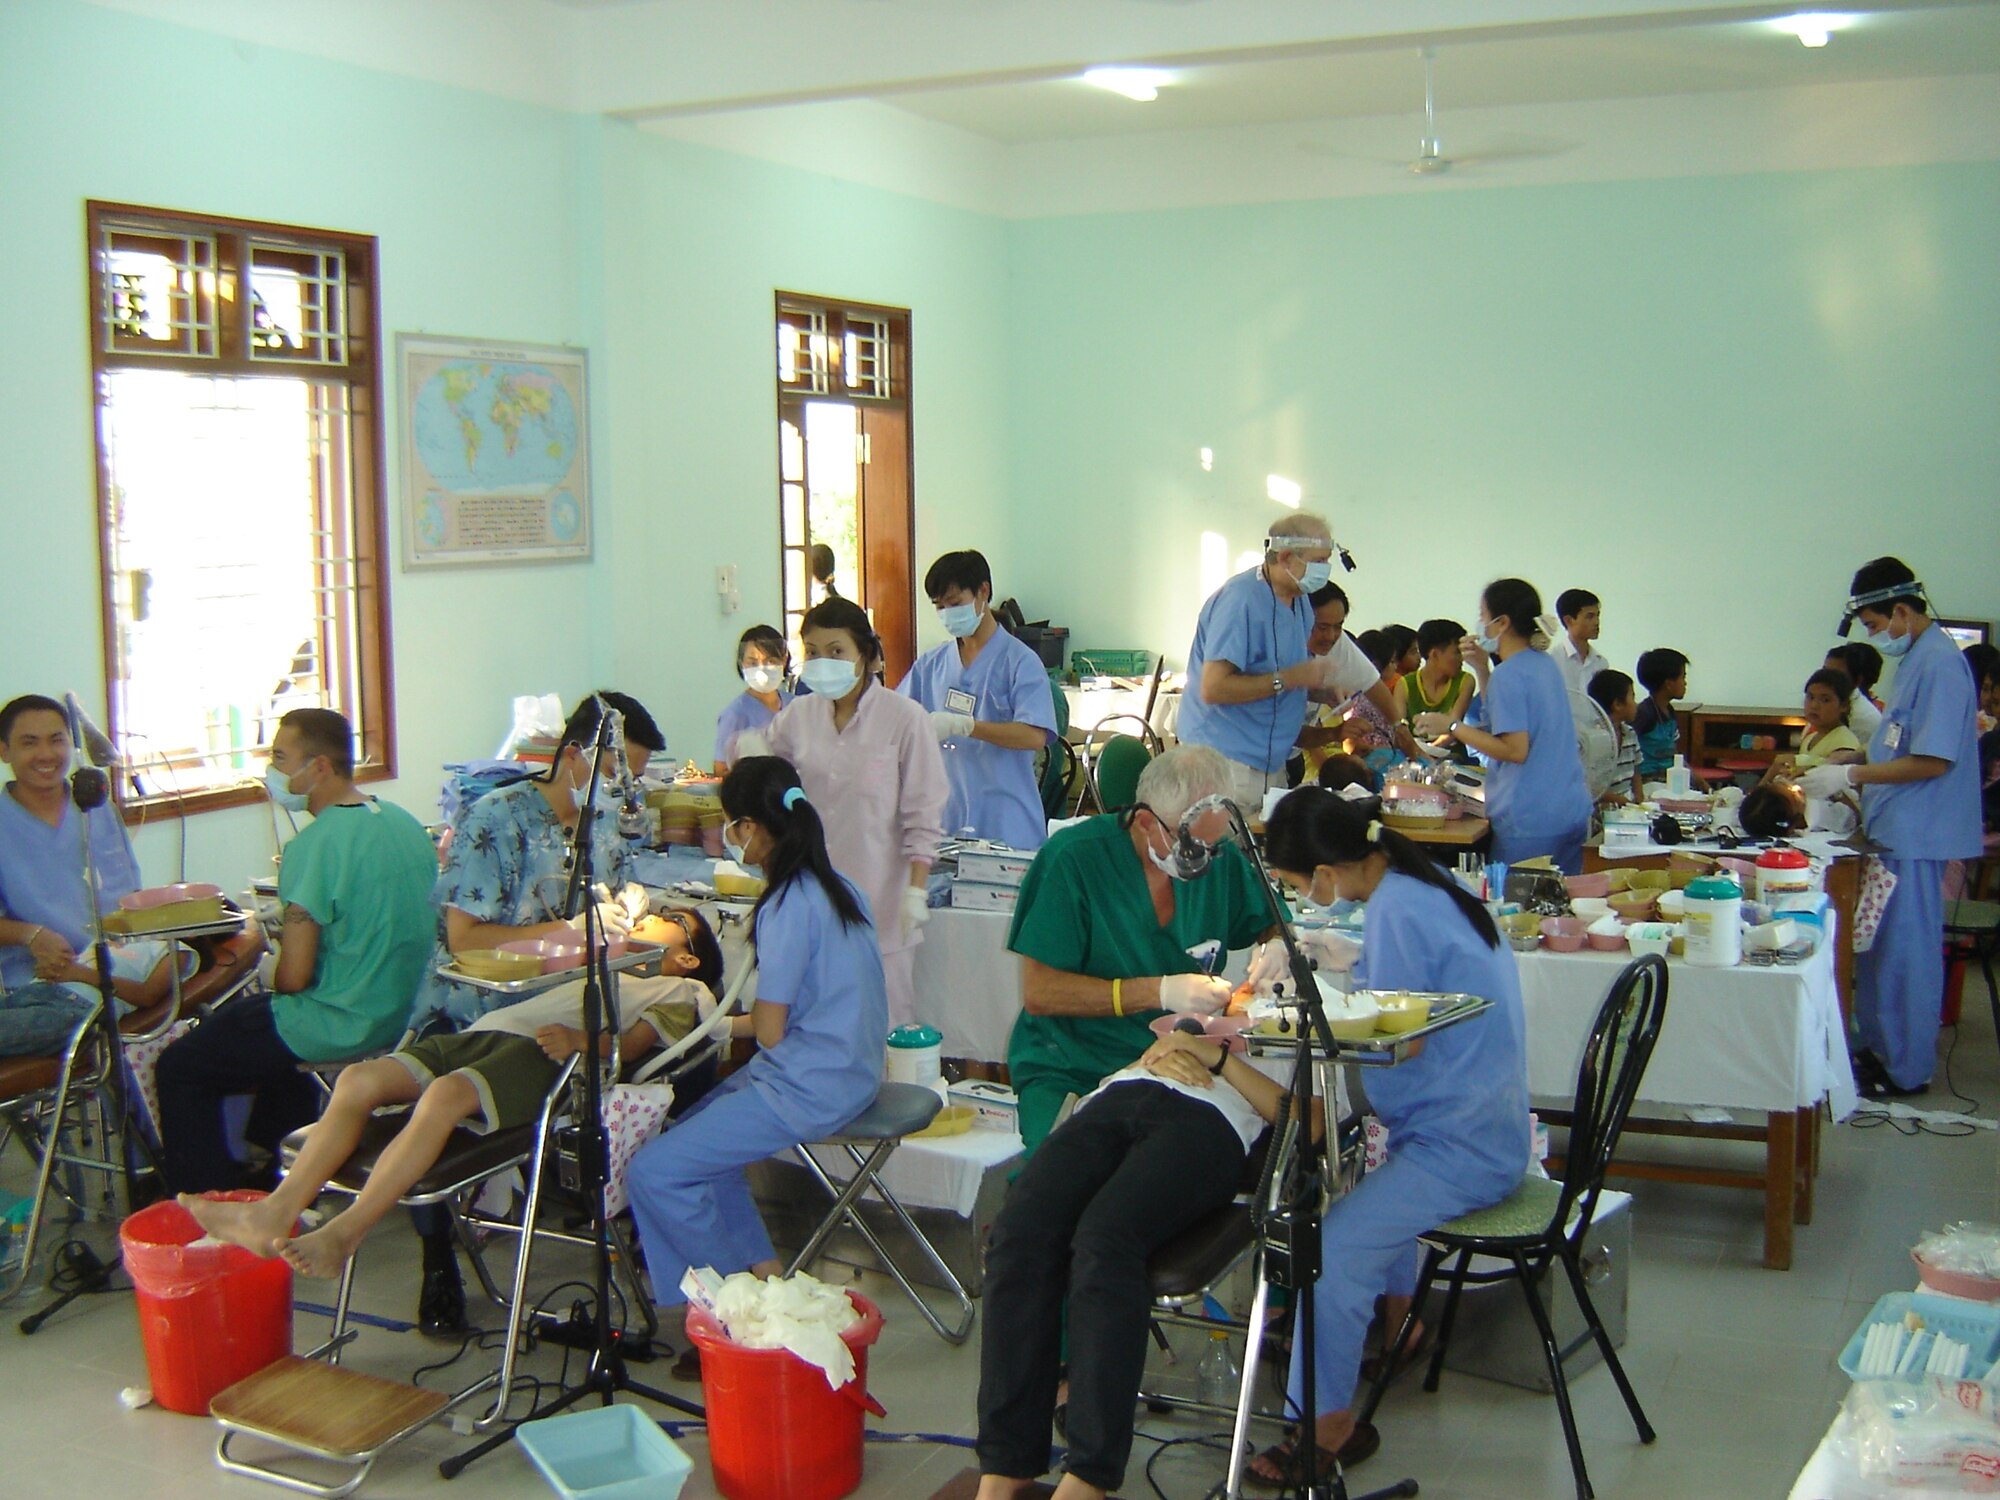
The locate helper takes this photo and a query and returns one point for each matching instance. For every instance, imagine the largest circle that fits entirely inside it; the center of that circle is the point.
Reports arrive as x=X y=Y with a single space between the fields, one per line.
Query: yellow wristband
x=1117 y=1000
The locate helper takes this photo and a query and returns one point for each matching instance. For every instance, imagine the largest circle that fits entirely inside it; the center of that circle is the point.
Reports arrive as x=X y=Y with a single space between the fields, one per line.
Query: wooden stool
x=326 y=1412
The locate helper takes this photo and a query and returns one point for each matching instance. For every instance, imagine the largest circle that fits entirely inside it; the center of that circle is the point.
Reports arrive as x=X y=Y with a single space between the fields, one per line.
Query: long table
x=1769 y=1042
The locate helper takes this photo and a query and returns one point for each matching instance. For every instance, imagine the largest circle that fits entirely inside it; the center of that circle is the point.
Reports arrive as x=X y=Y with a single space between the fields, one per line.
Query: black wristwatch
x=1221 y=1059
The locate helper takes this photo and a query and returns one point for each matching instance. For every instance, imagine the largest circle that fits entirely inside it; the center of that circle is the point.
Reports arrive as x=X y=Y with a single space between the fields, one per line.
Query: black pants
x=1118 y=1179
x=235 y=1050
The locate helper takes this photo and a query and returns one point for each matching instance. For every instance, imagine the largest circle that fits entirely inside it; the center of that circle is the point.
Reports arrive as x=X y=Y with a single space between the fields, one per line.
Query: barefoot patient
x=494 y=1075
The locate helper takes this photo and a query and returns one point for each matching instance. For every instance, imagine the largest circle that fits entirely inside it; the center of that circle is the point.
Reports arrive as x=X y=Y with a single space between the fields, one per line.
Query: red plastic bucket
x=775 y=1430
x=209 y=1315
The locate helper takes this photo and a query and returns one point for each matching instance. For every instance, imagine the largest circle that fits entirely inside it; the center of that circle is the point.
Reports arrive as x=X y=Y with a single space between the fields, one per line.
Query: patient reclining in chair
x=494 y=1075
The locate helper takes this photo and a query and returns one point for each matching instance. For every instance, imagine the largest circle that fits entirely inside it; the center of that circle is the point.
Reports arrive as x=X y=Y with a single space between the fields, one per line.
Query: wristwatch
x=1221 y=1058
x=1277 y=684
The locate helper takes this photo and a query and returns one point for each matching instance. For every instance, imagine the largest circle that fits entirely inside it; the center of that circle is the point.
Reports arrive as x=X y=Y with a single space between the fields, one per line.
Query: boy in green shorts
x=494 y=1075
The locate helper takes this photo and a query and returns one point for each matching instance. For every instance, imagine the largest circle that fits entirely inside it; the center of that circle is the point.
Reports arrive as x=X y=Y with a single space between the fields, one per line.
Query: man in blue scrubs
x=1248 y=668
x=1920 y=797
x=991 y=706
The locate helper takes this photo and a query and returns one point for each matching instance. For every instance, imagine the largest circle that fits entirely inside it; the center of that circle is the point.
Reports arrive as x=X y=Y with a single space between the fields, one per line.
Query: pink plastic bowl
x=1589 y=885
x=1563 y=934
x=1606 y=942
x=1956 y=1283
x=167 y=895
x=558 y=954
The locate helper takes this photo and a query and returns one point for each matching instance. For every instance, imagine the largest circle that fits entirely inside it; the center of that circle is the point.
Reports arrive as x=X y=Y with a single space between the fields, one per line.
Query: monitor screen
x=1967 y=632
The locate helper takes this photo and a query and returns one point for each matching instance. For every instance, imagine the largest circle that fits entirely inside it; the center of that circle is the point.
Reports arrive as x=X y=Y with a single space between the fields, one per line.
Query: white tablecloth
x=1764 y=1039
x=968 y=985
x=1089 y=707
x=943 y=1173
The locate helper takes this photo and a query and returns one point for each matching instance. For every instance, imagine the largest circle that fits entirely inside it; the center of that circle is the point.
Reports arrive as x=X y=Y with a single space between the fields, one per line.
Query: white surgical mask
x=730 y=847
x=762 y=679
x=279 y=785
x=829 y=676
x=1889 y=645
x=959 y=620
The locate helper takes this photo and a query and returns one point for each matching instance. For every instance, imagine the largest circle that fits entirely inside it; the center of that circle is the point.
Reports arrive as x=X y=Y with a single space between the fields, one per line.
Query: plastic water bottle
x=1217 y=1379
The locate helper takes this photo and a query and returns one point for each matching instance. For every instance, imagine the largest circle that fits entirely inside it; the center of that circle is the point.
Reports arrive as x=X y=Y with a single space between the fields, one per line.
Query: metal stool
x=899 y=1110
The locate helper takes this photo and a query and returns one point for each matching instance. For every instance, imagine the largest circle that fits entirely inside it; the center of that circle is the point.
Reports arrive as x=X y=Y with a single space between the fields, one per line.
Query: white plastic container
x=916 y=1055
x=1680 y=782
x=1713 y=922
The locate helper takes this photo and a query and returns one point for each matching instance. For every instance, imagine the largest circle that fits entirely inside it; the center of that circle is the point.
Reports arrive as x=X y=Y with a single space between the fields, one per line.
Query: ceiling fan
x=1431 y=160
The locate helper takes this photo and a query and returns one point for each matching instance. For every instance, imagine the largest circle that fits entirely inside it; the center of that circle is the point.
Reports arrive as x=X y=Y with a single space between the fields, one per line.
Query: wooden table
x=1457 y=833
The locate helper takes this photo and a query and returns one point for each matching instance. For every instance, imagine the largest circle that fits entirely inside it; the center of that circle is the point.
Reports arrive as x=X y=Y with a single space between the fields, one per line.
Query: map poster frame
x=518 y=489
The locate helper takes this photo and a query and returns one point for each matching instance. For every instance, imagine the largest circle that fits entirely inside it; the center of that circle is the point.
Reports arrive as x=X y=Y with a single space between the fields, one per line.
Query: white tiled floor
x=1734 y=1363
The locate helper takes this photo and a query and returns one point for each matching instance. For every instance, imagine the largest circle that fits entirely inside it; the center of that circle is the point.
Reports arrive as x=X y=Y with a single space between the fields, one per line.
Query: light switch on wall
x=725 y=588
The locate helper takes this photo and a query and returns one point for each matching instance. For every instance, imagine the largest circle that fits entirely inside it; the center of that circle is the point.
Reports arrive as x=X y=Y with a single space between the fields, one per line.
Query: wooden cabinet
x=1712 y=739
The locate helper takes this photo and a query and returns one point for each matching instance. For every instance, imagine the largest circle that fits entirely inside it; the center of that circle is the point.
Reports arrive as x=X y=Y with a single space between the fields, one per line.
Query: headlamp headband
x=1858 y=602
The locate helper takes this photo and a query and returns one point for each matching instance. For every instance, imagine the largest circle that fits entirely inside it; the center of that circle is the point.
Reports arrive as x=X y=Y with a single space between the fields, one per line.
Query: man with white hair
x=1115 y=925
x=1249 y=669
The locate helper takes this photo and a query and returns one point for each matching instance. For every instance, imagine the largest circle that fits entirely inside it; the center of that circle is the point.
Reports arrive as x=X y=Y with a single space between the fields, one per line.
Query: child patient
x=494 y=1075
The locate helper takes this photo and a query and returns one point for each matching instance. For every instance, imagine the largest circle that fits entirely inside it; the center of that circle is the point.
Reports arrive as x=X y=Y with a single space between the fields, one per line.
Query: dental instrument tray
x=1384 y=1049
x=227 y=925
x=636 y=956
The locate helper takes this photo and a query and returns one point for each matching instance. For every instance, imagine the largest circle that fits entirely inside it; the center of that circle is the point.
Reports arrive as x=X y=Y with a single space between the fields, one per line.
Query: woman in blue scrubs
x=1920 y=797
x=819 y=1020
x=1520 y=726
x=1457 y=1113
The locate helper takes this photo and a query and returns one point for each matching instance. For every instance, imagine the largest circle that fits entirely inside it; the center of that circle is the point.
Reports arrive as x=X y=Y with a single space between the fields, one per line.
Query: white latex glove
x=1270 y=964
x=1193 y=994
x=748 y=743
x=916 y=910
x=610 y=917
x=947 y=725
x=1827 y=782
x=1330 y=950
x=1431 y=725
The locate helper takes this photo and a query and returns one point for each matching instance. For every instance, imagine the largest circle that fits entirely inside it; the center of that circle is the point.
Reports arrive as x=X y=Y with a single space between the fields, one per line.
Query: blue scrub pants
x=1368 y=1248
x=1511 y=846
x=1899 y=982
x=690 y=1198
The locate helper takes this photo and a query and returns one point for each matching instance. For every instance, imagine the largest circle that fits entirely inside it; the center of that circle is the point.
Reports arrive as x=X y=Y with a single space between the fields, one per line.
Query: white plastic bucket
x=1713 y=921
x=916 y=1055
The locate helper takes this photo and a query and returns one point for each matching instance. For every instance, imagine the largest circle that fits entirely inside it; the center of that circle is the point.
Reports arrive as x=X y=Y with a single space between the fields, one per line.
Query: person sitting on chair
x=1113 y=928
x=48 y=981
x=1457 y=1112
x=494 y=1075
x=355 y=890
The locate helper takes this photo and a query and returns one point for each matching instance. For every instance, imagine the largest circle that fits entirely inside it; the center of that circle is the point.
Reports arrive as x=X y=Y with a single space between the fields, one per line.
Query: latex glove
x=916 y=910
x=1193 y=994
x=1826 y=782
x=947 y=725
x=1270 y=965
x=610 y=917
x=1330 y=950
x=1431 y=725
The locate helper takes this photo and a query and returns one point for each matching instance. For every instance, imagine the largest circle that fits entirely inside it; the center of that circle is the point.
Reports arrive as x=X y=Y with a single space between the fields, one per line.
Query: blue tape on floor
x=394 y=1325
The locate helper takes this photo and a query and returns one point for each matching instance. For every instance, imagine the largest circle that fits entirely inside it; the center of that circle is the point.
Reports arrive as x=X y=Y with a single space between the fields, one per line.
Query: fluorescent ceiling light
x=1287 y=492
x=1813 y=28
x=1142 y=85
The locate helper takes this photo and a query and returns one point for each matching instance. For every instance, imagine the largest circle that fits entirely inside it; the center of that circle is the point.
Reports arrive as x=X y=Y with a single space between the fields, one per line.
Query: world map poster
x=496 y=452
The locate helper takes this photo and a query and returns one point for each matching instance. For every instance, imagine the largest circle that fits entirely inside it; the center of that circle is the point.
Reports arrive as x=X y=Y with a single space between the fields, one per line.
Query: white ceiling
x=1546 y=68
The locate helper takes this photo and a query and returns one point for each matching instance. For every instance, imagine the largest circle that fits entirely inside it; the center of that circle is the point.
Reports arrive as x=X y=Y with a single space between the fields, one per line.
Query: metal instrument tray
x=1382 y=1050
x=638 y=956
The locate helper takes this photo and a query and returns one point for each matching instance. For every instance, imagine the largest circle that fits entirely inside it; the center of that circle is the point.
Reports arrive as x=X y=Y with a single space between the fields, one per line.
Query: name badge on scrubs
x=1892 y=736
x=959 y=701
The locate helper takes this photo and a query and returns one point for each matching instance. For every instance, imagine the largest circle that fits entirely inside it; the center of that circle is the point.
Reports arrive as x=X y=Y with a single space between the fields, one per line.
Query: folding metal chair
x=869 y=1140
x=60 y=1108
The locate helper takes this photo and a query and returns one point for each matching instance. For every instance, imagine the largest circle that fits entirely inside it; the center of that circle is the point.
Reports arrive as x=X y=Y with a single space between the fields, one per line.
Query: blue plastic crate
x=606 y=1453
x=1974 y=1324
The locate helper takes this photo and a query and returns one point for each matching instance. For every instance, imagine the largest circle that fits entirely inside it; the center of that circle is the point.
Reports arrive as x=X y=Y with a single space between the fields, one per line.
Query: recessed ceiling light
x=1141 y=85
x=1813 y=28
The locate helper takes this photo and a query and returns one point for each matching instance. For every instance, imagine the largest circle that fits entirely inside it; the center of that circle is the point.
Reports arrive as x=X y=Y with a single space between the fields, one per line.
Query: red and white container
x=1783 y=872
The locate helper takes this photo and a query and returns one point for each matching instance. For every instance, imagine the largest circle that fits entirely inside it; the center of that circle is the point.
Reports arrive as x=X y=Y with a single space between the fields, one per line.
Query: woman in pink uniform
x=871 y=766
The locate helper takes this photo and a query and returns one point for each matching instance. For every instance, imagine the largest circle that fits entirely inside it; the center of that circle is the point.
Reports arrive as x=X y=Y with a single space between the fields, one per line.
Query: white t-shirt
x=1243 y=1119
x=1863 y=717
x=1343 y=672
x=1577 y=670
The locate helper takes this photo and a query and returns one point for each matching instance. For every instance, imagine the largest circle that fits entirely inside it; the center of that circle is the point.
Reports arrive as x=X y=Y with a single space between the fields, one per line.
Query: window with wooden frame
x=238 y=401
x=844 y=465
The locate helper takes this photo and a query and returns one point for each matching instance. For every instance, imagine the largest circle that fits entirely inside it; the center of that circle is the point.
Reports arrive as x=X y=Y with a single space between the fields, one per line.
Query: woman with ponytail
x=818 y=1021
x=1520 y=726
x=1457 y=1112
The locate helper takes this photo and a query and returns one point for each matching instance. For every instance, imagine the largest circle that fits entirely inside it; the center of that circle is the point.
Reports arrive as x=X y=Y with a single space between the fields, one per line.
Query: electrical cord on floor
x=1873 y=1114
x=79 y=1271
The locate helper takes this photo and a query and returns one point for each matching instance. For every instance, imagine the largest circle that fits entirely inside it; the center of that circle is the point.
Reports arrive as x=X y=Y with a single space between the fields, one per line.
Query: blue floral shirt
x=506 y=866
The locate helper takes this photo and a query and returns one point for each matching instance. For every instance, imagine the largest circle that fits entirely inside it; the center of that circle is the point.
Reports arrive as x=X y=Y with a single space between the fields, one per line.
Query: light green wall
x=1709 y=400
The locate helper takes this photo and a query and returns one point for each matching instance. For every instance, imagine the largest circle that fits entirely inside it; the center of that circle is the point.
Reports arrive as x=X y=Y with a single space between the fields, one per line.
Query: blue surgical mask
x=1317 y=573
x=279 y=785
x=1490 y=644
x=733 y=849
x=959 y=620
x=829 y=676
x=1890 y=646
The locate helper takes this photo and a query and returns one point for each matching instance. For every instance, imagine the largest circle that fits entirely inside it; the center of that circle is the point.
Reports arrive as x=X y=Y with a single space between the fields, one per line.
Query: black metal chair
x=1542 y=1223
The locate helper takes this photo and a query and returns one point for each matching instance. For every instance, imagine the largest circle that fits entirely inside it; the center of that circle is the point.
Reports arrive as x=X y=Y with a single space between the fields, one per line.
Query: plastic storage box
x=606 y=1453
x=1975 y=1324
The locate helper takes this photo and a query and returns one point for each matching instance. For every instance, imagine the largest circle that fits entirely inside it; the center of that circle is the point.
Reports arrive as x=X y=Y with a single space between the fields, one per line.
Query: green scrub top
x=1085 y=908
x=364 y=874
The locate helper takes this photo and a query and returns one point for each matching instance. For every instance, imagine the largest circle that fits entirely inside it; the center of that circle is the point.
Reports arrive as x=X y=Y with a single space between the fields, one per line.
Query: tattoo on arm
x=295 y=914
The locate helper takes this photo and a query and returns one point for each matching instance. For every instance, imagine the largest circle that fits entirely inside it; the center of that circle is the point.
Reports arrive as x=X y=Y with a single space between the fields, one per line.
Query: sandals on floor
x=1287 y=1459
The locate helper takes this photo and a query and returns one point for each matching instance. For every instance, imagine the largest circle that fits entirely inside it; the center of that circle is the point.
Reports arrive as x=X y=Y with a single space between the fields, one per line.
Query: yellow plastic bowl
x=1650 y=880
x=491 y=963
x=730 y=884
x=1400 y=1013
x=953 y=1119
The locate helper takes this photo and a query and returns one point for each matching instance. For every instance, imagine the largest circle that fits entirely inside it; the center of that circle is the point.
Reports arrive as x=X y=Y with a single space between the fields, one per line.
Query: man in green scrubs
x=1112 y=931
